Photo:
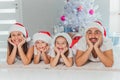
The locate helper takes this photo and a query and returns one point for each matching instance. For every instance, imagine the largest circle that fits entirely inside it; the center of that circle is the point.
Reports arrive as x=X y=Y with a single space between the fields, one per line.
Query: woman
x=18 y=47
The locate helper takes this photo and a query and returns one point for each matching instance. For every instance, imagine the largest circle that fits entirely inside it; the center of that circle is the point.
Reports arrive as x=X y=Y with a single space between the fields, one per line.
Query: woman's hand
x=10 y=41
x=22 y=42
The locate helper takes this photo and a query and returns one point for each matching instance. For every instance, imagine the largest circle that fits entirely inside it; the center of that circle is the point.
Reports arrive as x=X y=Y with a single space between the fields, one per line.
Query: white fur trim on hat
x=95 y=25
x=17 y=28
x=42 y=36
x=65 y=35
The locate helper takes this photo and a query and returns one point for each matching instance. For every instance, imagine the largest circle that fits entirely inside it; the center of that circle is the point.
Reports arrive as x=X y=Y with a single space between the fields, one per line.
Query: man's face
x=93 y=34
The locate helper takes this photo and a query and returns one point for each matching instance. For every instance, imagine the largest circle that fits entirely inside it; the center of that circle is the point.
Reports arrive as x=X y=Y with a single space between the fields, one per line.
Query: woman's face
x=61 y=43
x=40 y=45
x=93 y=34
x=16 y=37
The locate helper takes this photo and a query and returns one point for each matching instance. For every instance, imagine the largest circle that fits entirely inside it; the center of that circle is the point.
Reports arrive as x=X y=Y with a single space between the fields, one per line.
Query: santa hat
x=65 y=35
x=42 y=35
x=102 y=26
x=94 y=25
x=19 y=27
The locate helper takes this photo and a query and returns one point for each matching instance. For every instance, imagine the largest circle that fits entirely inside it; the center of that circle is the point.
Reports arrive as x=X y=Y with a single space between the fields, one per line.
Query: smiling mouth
x=93 y=39
x=60 y=48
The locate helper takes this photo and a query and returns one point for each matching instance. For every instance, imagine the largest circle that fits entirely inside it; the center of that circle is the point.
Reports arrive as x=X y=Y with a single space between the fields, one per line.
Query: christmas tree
x=77 y=14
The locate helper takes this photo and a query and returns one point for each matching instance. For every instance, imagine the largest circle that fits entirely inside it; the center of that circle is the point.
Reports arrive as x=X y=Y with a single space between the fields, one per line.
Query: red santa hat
x=102 y=26
x=42 y=35
x=19 y=27
x=65 y=35
x=95 y=25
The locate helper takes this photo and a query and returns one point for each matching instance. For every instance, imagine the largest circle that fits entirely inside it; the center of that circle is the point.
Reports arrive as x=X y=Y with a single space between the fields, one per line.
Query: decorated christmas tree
x=77 y=14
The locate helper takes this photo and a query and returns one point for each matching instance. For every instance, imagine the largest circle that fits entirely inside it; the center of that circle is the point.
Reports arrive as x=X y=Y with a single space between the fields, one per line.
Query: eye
x=19 y=34
x=89 y=32
x=64 y=43
x=97 y=32
x=57 y=43
x=36 y=42
x=42 y=42
x=12 y=35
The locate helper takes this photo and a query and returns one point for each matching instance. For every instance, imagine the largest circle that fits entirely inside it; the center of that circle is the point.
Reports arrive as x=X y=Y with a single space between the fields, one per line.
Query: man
x=94 y=46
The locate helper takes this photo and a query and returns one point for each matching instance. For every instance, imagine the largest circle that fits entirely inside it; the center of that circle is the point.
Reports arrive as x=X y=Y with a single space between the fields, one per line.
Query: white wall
x=104 y=9
x=43 y=14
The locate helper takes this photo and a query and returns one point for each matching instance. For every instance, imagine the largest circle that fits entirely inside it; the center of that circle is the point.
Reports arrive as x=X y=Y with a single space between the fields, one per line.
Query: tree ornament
x=62 y=18
x=91 y=11
x=79 y=8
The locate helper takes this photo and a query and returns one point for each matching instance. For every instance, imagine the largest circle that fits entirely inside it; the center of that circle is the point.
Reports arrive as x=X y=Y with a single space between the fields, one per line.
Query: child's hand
x=10 y=41
x=36 y=52
x=45 y=49
x=64 y=50
x=57 y=50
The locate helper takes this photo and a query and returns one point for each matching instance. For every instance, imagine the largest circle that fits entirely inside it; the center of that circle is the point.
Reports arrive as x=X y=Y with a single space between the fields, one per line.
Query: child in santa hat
x=42 y=41
x=18 y=45
x=61 y=52
x=94 y=46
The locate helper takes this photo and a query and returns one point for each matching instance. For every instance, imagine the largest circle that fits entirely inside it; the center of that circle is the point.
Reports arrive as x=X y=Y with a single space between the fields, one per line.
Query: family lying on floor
x=93 y=46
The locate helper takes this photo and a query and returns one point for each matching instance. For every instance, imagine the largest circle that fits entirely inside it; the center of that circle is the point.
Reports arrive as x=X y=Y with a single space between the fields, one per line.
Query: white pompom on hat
x=19 y=27
x=65 y=35
x=42 y=35
x=94 y=25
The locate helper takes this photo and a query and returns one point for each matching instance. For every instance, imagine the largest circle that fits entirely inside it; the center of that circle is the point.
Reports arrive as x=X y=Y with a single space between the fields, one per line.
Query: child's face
x=93 y=34
x=40 y=45
x=16 y=37
x=61 y=43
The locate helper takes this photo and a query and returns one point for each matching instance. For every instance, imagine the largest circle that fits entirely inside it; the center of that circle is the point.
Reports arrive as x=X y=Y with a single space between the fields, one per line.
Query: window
x=115 y=16
x=115 y=21
x=10 y=12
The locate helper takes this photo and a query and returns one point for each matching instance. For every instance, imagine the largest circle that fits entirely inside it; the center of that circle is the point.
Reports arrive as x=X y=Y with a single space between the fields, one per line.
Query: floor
x=53 y=74
x=91 y=71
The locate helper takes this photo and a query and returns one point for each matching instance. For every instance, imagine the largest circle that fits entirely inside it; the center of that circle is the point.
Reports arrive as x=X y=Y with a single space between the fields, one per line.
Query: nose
x=92 y=35
x=60 y=45
x=40 y=44
x=16 y=37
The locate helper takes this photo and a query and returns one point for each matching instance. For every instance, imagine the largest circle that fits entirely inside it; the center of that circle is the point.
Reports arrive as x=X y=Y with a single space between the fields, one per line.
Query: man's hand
x=90 y=44
x=22 y=42
x=99 y=42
